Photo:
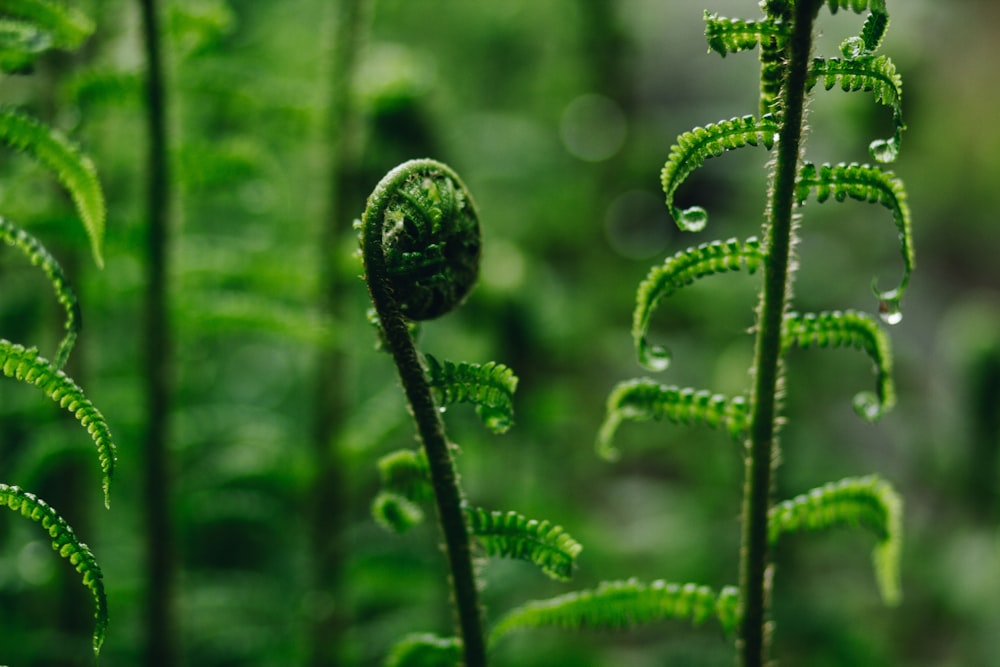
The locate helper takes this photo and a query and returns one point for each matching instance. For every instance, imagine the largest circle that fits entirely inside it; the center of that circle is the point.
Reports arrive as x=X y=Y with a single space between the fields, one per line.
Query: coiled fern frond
x=425 y=650
x=71 y=167
x=623 y=604
x=56 y=26
x=512 y=535
x=681 y=270
x=24 y=364
x=849 y=329
x=727 y=35
x=490 y=387
x=695 y=146
x=15 y=236
x=643 y=399
x=67 y=545
x=864 y=183
x=866 y=501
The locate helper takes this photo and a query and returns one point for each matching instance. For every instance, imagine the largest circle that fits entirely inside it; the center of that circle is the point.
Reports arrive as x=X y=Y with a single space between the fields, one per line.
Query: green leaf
x=875 y=25
x=512 y=535
x=67 y=27
x=67 y=545
x=490 y=387
x=643 y=399
x=726 y=35
x=405 y=472
x=24 y=364
x=678 y=271
x=15 y=236
x=848 y=329
x=396 y=513
x=696 y=146
x=870 y=74
x=866 y=501
x=425 y=650
x=620 y=605
x=863 y=182
x=73 y=169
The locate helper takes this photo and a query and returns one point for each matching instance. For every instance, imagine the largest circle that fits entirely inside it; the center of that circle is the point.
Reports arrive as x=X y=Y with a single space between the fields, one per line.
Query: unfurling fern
x=27 y=29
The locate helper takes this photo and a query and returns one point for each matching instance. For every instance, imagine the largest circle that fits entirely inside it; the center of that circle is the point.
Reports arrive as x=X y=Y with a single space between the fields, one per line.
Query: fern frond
x=875 y=74
x=643 y=399
x=406 y=472
x=24 y=364
x=395 y=512
x=864 y=183
x=425 y=650
x=697 y=145
x=848 y=329
x=66 y=543
x=67 y=27
x=621 y=604
x=73 y=169
x=490 y=387
x=512 y=535
x=17 y=237
x=876 y=23
x=726 y=35
x=866 y=501
x=20 y=44
x=681 y=270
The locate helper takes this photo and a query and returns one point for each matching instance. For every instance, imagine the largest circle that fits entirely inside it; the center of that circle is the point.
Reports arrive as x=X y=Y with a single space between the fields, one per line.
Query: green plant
x=29 y=29
x=420 y=242
x=789 y=72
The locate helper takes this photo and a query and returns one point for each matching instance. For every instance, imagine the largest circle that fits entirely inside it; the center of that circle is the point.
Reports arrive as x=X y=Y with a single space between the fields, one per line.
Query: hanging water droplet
x=889 y=310
x=692 y=219
x=883 y=150
x=852 y=47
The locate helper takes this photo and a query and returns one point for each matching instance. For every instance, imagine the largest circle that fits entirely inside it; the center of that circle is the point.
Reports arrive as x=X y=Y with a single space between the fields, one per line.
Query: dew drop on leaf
x=883 y=150
x=692 y=219
x=852 y=47
x=889 y=310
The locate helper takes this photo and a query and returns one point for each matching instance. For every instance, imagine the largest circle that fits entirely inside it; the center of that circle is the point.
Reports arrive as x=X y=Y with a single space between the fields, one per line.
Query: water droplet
x=654 y=357
x=889 y=310
x=867 y=406
x=883 y=150
x=852 y=47
x=692 y=219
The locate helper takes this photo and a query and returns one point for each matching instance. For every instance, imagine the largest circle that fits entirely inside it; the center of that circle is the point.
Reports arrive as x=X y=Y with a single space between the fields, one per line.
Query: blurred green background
x=559 y=115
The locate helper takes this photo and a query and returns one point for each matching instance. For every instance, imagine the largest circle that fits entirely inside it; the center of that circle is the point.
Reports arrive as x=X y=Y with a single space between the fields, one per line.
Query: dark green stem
x=430 y=428
x=762 y=457
x=160 y=619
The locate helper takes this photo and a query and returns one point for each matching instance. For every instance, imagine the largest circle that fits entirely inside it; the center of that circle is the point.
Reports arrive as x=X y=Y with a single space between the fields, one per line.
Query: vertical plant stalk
x=754 y=636
x=430 y=428
x=330 y=492
x=161 y=635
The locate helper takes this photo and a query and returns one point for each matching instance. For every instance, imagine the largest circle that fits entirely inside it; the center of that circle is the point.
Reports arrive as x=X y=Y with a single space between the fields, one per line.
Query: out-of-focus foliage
x=558 y=115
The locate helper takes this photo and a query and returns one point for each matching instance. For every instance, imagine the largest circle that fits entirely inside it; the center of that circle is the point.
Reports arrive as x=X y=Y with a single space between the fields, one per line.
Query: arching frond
x=395 y=512
x=876 y=23
x=24 y=364
x=866 y=501
x=678 y=271
x=864 y=183
x=73 y=169
x=40 y=257
x=425 y=650
x=726 y=35
x=406 y=472
x=65 y=542
x=848 y=329
x=875 y=74
x=619 y=605
x=512 y=535
x=490 y=387
x=66 y=27
x=697 y=145
x=643 y=399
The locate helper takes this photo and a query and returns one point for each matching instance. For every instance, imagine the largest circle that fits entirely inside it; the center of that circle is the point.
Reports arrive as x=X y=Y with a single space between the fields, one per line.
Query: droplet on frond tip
x=852 y=47
x=883 y=150
x=653 y=357
x=867 y=406
x=692 y=219
x=890 y=310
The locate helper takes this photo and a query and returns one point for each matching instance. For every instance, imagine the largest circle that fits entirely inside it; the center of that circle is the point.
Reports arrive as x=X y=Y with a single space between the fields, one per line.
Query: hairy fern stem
x=762 y=456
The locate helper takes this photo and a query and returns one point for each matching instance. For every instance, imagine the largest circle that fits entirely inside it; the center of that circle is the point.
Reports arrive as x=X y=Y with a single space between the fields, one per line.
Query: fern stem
x=444 y=478
x=762 y=458
x=161 y=634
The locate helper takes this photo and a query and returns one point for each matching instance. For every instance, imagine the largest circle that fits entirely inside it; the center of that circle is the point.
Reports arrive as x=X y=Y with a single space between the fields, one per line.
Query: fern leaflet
x=425 y=650
x=24 y=364
x=697 y=145
x=678 y=271
x=406 y=472
x=870 y=74
x=867 y=501
x=490 y=387
x=395 y=512
x=848 y=329
x=65 y=542
x=643 y=399
x=623 y=604
x=73 y=169
x=876 y=23
x=864 y=183
x=40 y=257
x=66 y=27
x=512 y=535
x=726 y=35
